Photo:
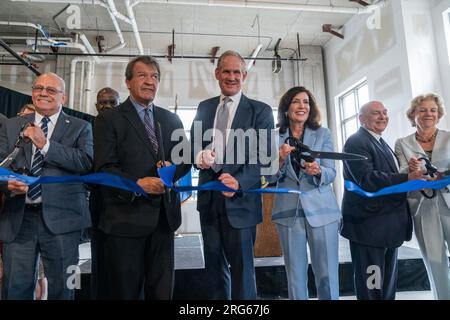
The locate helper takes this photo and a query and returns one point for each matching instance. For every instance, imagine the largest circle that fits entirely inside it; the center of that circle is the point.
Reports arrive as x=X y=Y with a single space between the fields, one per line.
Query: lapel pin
x=67 y=121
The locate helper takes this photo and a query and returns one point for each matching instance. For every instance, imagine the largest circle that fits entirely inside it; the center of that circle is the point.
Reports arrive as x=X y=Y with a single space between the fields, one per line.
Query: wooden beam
x=329 y=28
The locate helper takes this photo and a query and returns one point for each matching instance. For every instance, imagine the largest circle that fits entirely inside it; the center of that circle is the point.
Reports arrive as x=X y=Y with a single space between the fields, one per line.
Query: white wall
x=192 y=80
x=443 y=53
x=399 y=60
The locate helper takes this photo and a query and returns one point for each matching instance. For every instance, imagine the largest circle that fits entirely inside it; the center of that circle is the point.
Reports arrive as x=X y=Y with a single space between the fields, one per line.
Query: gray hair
x=54 y=75
x=148 y=60
x=417 y=101
x=231 y=53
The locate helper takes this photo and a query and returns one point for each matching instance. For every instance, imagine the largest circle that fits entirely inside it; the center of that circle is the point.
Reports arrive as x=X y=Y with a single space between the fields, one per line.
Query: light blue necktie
x=221 y=126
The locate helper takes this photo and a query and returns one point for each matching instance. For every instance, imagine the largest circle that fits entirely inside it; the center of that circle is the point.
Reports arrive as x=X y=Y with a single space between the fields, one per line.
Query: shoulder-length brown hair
x=313 y=121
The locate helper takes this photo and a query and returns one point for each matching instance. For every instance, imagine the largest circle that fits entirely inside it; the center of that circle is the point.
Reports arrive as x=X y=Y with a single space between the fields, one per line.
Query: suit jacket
x=408 y=147
x=122 y=147
x=65 y=206
x=319 y=204
x=243 y=210
x=381 y=221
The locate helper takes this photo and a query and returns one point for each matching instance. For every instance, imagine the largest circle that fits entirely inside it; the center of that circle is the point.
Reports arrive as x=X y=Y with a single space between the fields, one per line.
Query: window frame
x=354 y=91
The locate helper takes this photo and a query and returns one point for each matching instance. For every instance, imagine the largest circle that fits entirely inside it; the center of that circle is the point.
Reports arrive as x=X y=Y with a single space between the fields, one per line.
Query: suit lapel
x=388 y=157
x=208 y=118
x=309 y=139
x=61 y=126
x=27 y=149
x=289 y=168
x=129 y=112
x=241 y=114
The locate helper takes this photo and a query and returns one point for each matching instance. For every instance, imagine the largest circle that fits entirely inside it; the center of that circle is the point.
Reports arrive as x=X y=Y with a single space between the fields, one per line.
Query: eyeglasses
x=50 y=90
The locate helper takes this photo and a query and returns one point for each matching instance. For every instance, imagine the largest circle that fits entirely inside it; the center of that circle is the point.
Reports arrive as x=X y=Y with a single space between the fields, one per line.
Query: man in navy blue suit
x=376 y=227
x=45 y=219
x=228 y=220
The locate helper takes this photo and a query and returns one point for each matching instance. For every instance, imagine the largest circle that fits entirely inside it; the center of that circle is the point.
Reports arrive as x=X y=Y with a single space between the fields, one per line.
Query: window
x=187 y=115
x=446 y=16
x=349 y=104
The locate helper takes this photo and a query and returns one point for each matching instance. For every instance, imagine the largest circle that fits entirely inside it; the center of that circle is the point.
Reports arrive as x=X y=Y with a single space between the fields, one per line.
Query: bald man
x=107 y=98
x=376 y=227
x=45 y=219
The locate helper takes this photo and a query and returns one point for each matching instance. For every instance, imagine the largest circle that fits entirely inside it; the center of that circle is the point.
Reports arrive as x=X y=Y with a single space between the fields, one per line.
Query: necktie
x=35 y=190
x=221 y=126
x=150 y=128
x=387 y=151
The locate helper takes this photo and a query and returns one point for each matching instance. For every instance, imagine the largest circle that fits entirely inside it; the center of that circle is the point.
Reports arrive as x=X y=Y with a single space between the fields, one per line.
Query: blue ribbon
x=412 y=185
x=104 y=179
x=167 y=173
x=184 y=185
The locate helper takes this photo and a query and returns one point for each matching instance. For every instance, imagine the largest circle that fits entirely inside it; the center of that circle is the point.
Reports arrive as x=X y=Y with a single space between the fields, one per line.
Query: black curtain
x=11 y=101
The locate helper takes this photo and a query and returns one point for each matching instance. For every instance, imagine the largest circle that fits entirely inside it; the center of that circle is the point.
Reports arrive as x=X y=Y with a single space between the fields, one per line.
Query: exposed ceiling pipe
x=253 y=56
x=134 y=26
x=64 y=39
x=242 y=4
x=21 y=60
x=96 y=2
x=114 y=11
x=130 y=20
x=88 y=46
x=45 y=43
x=272 y=5
x=121 y=43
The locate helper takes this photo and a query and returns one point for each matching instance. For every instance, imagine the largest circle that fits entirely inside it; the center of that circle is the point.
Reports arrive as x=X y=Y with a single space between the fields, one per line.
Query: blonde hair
x=27 y=106
x=417 y=101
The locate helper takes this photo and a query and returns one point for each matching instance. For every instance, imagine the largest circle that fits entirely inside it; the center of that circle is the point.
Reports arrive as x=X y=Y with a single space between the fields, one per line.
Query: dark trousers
x=97 y=263
x=367 y=261
x=139 y=267
x=59 y=254
x=225 y=247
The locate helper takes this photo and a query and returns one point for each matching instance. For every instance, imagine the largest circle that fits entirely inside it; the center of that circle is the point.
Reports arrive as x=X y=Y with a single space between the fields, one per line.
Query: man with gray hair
x=376 y=227
x=44 y=218
x=228 y=219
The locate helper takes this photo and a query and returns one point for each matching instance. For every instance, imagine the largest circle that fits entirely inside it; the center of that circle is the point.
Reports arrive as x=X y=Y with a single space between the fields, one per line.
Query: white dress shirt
x=51 y=127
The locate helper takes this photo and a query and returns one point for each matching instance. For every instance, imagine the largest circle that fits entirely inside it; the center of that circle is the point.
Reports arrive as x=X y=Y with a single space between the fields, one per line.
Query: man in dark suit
x=48 y=218
x=228 y=220
x=139 y=231
x=107 y=99
x=376 y=227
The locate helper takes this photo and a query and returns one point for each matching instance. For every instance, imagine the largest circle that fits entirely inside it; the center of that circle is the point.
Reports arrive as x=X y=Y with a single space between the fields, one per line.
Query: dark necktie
x=35 y=190
x=387 y=152
x=150 y=128
x=221 y=126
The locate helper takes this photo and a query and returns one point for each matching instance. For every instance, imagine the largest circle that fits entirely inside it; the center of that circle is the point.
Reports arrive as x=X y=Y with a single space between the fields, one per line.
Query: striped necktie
x=150 y=128
x=35 y=190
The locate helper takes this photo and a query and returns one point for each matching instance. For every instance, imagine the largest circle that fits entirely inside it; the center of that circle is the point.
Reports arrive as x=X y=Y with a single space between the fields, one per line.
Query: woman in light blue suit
x=430 y=211
x=312 y=217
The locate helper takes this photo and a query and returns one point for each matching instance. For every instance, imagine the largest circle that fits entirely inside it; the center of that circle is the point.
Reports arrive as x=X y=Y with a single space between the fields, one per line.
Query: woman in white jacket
x=430 y=209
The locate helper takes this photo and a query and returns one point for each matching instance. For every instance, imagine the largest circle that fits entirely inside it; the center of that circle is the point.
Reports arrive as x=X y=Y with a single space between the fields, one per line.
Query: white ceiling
x=197 y=28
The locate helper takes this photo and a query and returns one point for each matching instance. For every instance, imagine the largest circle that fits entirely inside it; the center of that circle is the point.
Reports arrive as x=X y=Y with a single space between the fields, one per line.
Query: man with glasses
x=44 y=218
x=107 y=98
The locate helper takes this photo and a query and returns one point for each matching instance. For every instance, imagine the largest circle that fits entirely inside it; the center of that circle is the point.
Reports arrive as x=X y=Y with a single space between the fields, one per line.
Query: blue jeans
x=20 y=257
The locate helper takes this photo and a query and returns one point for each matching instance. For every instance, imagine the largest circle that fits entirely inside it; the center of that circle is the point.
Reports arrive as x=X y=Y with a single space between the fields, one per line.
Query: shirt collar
x=373 y=134
x=139 y=106
x=53 y=118
x=236 y=97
